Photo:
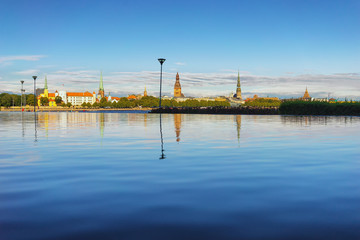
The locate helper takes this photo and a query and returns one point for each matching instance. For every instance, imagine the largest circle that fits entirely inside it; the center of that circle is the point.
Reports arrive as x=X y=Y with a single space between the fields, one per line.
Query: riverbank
x=71 y=109
x=221 y=110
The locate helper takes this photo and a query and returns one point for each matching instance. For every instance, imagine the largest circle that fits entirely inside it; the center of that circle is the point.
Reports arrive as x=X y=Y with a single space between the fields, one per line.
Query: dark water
x=102 y=176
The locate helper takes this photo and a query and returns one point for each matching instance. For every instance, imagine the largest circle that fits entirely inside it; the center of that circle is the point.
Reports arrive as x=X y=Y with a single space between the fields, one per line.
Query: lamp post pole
x=161 y=60
x=34 y=77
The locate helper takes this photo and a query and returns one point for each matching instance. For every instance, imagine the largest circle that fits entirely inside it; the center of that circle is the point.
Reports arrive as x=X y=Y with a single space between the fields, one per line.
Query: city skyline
x=280 y=47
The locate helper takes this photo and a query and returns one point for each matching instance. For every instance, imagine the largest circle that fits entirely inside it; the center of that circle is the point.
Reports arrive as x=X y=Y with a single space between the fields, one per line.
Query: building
x=177 y=88
x=145 y=92
x=78 y=98
x=46 y=94
x=112 y=99
x=238 y=88
x=264 y=98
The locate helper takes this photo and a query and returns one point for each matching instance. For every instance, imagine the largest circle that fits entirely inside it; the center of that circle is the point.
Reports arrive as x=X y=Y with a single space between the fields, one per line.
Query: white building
x=77 y=98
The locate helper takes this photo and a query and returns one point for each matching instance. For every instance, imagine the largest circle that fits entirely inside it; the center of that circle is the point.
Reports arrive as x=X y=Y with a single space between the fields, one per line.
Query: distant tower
x=101 y=87
x=177 y=87
x=46 y=91
x=306 y=94
x=238 y=88
x=145 y=92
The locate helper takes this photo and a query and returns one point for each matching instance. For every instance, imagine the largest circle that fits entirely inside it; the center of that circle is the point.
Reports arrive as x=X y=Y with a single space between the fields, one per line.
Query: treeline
x=261 y=102
x=320 y=108
x=8 y=100
x=150 y=101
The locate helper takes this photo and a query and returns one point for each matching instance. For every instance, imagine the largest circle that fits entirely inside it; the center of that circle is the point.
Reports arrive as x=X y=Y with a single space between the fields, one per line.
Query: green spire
x=238 y=80
x=101 y=87
x=46 y=87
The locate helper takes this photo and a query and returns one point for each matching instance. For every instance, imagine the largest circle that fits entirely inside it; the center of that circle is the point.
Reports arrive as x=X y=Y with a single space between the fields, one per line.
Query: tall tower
x=177 y=87
x=46 y=91
x=145 y=92
x=238 y=87
x=306 y=94
x=101 y=87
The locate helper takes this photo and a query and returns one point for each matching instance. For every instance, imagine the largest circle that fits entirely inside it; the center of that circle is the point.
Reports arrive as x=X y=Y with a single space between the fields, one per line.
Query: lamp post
x=34 y=77
x=161 y=60
x=22 y=94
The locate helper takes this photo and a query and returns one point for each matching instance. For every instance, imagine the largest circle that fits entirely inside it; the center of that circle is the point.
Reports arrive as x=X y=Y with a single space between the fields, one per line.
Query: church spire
x=238 y=87
x=145 y=92
x=45 y=87
x=238 y=80
x=306 y=94
x=101 y=86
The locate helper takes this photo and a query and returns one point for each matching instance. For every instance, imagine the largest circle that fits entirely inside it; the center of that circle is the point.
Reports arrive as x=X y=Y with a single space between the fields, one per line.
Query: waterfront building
x=78 y=98
x=112 y=99
x=257 y=97
x=177 y=88
x=45 y=94
x=132 y=97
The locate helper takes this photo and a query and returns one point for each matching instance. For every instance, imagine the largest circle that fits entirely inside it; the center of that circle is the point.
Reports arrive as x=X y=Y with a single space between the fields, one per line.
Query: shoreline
x=61 y=109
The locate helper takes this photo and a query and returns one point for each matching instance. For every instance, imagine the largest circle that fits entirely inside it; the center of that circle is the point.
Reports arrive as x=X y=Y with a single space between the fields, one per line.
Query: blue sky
x=280 y=47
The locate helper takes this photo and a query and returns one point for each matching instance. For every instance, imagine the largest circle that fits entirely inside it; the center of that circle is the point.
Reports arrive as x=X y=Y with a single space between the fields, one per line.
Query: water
x=103 y=176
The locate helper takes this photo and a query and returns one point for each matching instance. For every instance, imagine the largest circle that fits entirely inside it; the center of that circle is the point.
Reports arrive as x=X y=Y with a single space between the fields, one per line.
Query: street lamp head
x=22 y=81
x=34 y=77
x=161 y=60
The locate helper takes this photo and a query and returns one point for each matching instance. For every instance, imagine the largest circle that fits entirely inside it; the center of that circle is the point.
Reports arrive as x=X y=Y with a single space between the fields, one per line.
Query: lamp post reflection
x=35 y=123
x=162 y=156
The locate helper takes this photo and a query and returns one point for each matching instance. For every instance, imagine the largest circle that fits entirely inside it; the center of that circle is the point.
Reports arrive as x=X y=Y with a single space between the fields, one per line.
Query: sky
x=280 y=47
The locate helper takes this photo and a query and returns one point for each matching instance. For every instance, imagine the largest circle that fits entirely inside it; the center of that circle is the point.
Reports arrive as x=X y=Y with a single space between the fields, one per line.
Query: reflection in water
x=22 y=124
x=307 y=121
x=102 y=124
x=145 y=120
x=177 y=123
x=162 y=141
x=206 y=189
x=238 y=126
x=35 y=123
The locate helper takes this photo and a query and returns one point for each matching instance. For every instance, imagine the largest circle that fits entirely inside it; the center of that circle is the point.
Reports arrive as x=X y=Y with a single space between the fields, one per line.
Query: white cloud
x=29 y=72
x=180 y=63
x=5 y=59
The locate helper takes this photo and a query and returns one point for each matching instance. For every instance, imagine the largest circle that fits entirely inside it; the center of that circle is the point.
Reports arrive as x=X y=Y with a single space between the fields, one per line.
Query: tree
x=6 y=100
x=114 y=104
x=16 y=100
x=95 y=105
x=68 y=104
x=30 y=100
x=148 y=101
x=44 y=101
x=58 y=100
x=103 y=102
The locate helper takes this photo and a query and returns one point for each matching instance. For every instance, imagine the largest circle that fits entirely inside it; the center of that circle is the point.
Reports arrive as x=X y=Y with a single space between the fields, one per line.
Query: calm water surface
x=105 y=176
